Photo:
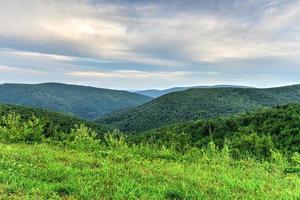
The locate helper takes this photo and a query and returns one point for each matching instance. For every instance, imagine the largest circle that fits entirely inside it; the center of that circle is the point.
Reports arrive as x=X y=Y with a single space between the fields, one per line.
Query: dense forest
x=85 y=102
x=252 y=133
x=200 y=103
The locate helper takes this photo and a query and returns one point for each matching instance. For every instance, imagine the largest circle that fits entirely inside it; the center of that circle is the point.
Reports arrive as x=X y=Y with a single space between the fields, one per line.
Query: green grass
x=45 y=171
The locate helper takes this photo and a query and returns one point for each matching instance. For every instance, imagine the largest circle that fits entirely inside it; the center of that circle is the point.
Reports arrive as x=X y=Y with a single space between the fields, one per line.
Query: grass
x=45 y=171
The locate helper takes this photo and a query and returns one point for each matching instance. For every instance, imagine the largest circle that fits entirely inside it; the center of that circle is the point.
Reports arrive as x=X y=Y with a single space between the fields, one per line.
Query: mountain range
x=82 y=101
x=132 y=112
x=198 y=103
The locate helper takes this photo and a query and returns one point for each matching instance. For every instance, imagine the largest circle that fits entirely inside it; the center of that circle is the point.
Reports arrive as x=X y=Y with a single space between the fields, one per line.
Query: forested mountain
x=157 y=93
x=54 y=123
x=199 y=103
x=254 y=132
x=82 y=101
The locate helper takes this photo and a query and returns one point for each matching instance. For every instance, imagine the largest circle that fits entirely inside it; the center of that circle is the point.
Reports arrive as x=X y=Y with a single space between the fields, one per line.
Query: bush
x=14 y=130
x=83 y=138
x=248 y=143
x=115 y=139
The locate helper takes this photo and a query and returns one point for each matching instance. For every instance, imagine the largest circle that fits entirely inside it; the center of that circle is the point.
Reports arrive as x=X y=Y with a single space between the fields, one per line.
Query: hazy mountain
x=82 y=101
x=157 y=93
x=199 y=103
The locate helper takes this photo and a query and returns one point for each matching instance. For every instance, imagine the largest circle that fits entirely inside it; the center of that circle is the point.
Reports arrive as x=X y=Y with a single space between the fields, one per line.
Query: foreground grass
x=47 y=172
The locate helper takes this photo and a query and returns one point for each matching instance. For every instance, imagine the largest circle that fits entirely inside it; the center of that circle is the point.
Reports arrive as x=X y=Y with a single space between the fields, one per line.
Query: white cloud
x=35 y=55
x=134 y=79
x=162 y=39
x=111 y=31
x=7 y=69
x=128 y=74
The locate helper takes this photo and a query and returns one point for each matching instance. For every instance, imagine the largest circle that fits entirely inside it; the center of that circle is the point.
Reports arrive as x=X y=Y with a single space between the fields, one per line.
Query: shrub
x=248 y=143
x=14 y=130
x=83 y=138
x=115 y=139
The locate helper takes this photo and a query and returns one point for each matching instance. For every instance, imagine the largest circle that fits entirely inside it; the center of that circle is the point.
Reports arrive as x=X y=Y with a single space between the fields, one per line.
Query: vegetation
x=54 y=123
x=43 y=171
x=201 y=103
x=85 y=102
x=254 y=155
x=82 y=166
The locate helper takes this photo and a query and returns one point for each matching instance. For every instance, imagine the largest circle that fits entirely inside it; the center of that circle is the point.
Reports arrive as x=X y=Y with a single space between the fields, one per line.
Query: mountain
x=82 y=101
x=157 y=93
x=54 y=122
x=273 y=128
x=198 y=103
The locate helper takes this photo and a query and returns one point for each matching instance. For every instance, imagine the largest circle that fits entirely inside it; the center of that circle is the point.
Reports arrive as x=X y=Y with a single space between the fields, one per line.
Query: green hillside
x=251 y=133
x=81 y=101
x=80 y=166
x=199 y=103
x=54 y=123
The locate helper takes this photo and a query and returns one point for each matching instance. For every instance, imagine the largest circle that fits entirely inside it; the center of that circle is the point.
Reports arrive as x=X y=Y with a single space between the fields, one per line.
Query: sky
x=140 y=44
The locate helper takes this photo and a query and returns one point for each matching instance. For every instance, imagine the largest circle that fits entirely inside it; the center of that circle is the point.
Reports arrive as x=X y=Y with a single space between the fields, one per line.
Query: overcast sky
x=136 y=44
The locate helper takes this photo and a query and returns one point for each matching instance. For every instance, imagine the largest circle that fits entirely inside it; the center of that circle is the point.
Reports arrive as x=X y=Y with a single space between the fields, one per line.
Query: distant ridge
x=199 y=103
x=157 y=93
x=82 y=101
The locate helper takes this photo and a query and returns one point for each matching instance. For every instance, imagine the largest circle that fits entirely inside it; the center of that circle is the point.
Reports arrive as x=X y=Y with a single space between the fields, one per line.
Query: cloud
x=134 y=79
x=148 y=33
x=7 y=69
x=36 y=55
x=151 y=39
x=134 y=74
x=78 y=25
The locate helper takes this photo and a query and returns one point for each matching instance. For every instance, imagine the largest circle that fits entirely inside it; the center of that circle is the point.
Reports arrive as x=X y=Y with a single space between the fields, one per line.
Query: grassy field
x=45 y=171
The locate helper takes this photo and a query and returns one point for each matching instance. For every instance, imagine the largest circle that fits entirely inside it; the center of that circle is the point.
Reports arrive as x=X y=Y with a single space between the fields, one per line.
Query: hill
x=198 y=103
x=85 y=102
x=80 y=166
x=157 y=93
x=54 y=122
x=254 y=132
